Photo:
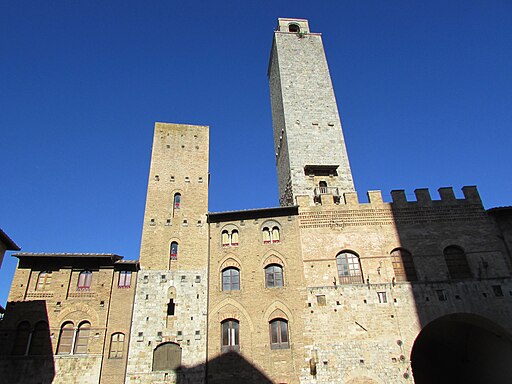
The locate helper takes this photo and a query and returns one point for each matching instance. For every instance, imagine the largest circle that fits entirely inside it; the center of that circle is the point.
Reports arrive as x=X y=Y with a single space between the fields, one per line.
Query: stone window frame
x=44 y=280
x=273 y=273
x=457 y=262
x=403 y=264
x=230 y=335
x=125 y=279
x=229 y=236
x=78 y=338
x=84 y=281
x=279 y=327
x=271 y=231
x=348 y=264
x=228 y=281
x=116 y=349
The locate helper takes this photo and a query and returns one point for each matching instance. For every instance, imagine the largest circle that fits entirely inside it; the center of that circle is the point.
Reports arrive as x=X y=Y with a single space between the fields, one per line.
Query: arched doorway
x=462 y=348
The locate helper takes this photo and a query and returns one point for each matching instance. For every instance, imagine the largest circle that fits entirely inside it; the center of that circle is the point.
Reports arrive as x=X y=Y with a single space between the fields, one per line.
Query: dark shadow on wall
x=228 y=368
x=459 y=275
x=26 y=354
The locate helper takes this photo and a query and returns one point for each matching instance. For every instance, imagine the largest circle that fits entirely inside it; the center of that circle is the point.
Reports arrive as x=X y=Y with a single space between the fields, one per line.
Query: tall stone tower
x=171 y=300
x=311 y=157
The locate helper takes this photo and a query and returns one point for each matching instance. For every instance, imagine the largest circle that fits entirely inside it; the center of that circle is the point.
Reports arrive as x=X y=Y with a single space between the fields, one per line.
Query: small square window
x=320 y=299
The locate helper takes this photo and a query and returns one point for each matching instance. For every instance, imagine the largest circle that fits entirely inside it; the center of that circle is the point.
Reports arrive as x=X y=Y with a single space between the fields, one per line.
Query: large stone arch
x=462 y=348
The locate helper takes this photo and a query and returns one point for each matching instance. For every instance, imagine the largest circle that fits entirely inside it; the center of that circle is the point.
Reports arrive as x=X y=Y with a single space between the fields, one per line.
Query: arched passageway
x=462 y=348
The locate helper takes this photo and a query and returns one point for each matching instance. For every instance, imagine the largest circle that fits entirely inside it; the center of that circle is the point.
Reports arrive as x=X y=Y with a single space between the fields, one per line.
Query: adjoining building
x=323 y=289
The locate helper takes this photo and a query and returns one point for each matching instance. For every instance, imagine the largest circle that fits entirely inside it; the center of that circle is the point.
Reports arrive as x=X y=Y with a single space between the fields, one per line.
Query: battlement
x=398 y=197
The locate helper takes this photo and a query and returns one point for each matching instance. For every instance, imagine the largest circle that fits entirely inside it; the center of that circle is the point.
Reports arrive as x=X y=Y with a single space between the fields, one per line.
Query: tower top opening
x=292 y=25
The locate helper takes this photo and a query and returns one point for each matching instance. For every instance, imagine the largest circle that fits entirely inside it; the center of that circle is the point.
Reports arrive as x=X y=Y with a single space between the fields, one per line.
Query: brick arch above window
x=273 y=258
x=278 y=309
x=230 y=262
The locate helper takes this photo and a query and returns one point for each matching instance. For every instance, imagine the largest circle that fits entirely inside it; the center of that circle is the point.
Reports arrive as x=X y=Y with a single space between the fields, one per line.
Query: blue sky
x=423 y=88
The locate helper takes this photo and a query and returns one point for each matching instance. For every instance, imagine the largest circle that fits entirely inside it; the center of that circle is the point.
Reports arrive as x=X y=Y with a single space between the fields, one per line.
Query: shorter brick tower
x=169 y=324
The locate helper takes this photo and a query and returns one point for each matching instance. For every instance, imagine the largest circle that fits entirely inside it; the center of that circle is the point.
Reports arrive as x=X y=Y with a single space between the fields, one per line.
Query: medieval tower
x=310 y=150
x=173 y=257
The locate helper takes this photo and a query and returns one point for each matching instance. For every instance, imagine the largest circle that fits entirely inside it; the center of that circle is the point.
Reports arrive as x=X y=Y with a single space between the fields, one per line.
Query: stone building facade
x=323 y=289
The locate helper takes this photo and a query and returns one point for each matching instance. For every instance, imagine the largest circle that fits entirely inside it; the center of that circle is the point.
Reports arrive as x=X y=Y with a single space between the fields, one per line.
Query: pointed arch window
x=230 y=335
x=40 y=343
x=84 y=280
x=174 y=251
x=403 y=265
x=82 y=338
x=231 y=279
x=349 y=268
x=43 y=281
x=457 y=262
x=279 y=334
x=22 y=339
x=66 y=337
x=274 y=276
x=116 y=346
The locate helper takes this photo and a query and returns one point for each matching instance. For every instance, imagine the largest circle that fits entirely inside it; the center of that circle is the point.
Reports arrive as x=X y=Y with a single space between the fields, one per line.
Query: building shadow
x=228 y=368
x=455 y=265
x=26 y=353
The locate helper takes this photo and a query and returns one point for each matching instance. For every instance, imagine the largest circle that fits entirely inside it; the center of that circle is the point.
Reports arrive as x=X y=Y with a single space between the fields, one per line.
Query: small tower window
x=170 y=308
x=294 y=28
x=176 y=203
x=174 y=251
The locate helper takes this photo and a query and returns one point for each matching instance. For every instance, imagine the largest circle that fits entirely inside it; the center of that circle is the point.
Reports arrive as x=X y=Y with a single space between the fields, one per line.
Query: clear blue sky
x=424 y=91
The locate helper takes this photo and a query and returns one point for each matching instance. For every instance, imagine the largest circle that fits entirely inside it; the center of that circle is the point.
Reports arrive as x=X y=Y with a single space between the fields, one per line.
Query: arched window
x=266 y=236
x=177 y=201
x=322 y=185
x=294 y=28
x=66 y=336
x=230 y=335
x=171 y=307
x=279 y=334
x=225 y=238
x=84 y=280
x=457 y=262
x=82 y=338
x=275 y=235
x=403 y=265
x=116 y=346
x=231 y=279
x=174 y=251
x=43 y=281
x=40 y=343
x=274 y=276
x=22 y=339
x=234 y=238
x=349 y=268
x=166 y=357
